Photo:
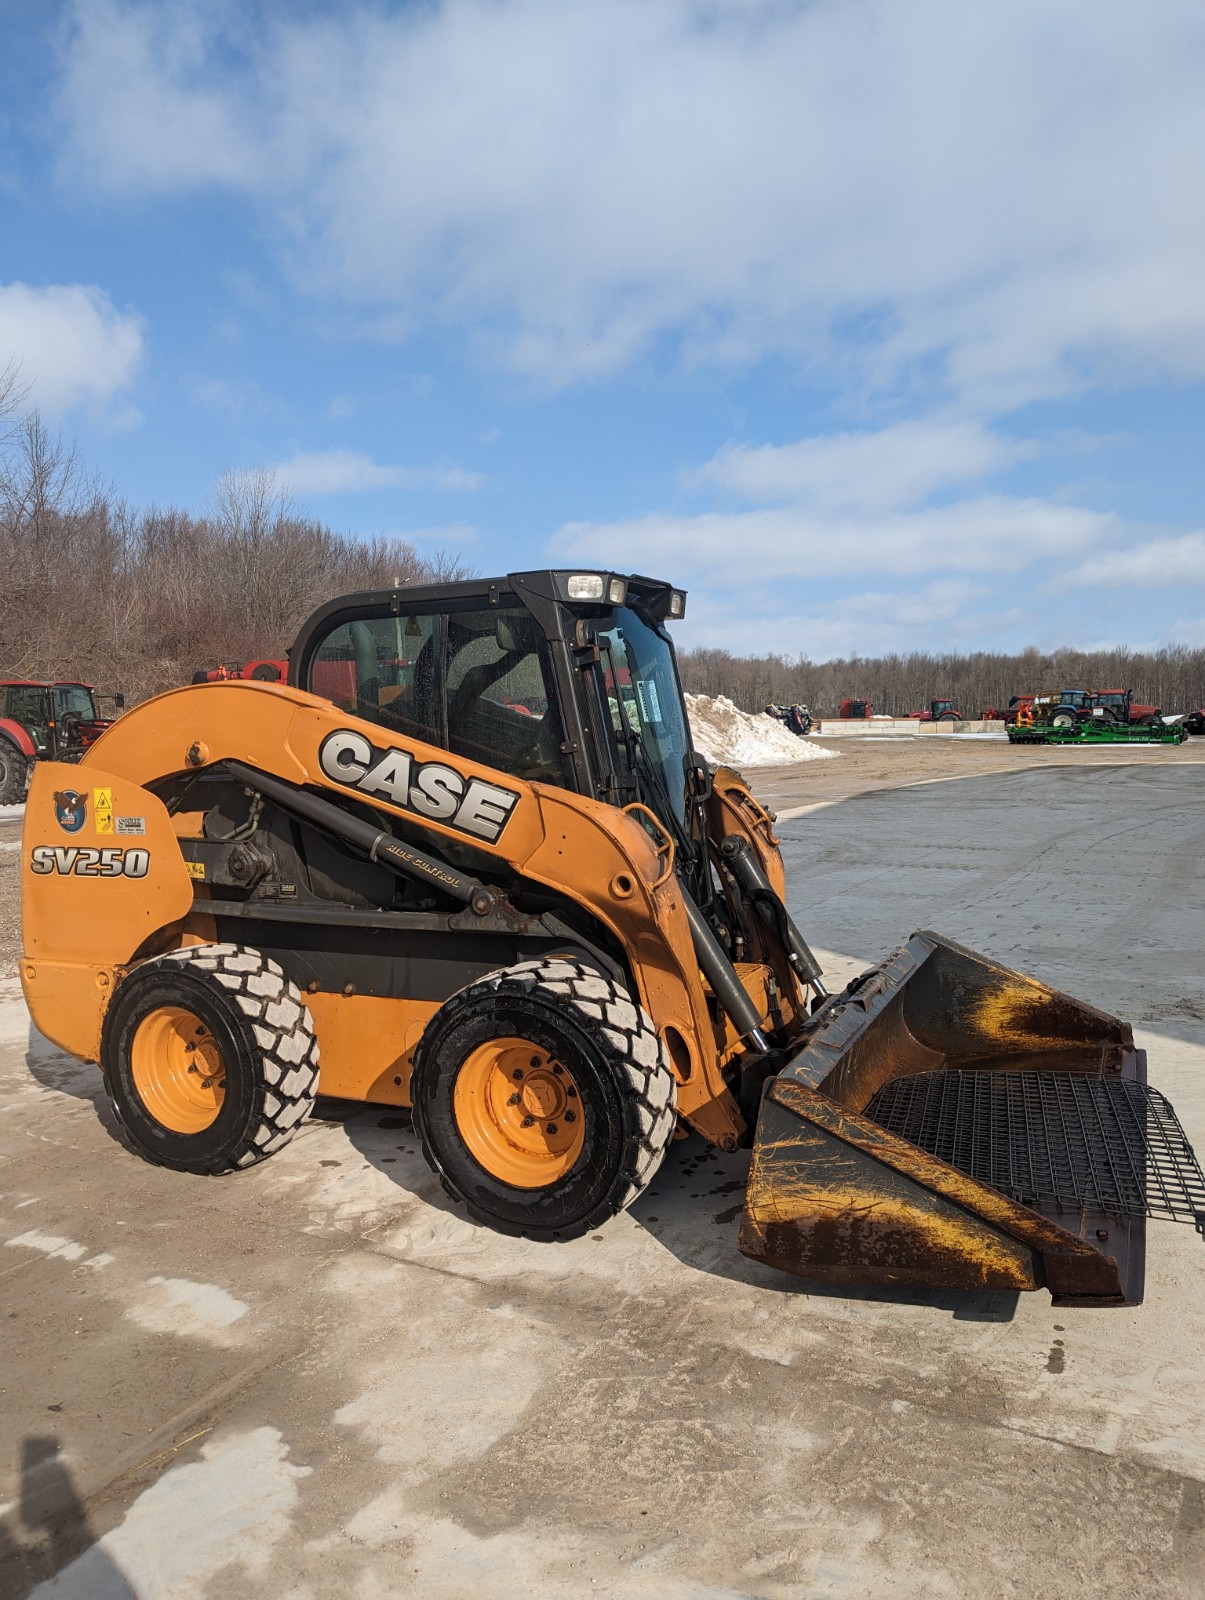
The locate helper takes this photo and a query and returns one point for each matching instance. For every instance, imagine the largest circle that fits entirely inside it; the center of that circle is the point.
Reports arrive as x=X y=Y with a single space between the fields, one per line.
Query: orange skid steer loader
x=468 y=861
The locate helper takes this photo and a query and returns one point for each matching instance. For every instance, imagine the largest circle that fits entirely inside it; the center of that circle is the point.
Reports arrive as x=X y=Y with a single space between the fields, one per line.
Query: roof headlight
x=677 y=604
x=617 y=592
x=585 y=586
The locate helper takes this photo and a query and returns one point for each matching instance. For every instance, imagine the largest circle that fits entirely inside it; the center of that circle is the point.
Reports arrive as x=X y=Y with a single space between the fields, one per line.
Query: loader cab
x=557 y=677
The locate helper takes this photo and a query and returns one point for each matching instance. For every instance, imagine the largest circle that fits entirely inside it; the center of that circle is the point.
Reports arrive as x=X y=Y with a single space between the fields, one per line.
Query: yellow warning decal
x=102 y=809
x=195 y=869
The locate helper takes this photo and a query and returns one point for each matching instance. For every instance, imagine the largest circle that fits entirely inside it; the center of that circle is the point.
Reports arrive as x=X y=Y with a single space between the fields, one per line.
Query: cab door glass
x=501 y=707
x=385 y=670
x=31 y=708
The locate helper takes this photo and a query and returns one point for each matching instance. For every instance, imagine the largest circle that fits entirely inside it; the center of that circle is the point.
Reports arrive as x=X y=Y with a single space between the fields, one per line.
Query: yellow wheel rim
x=178 y=1069
x=518 y=1110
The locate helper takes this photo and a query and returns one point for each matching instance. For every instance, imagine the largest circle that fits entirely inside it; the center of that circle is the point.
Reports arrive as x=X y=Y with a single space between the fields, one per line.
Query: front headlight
x=585 y=586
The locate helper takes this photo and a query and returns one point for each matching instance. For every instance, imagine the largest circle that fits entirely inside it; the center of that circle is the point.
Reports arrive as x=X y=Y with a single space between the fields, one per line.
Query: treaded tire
x=14 y=772
x=616 y=1058
x=268 y=1047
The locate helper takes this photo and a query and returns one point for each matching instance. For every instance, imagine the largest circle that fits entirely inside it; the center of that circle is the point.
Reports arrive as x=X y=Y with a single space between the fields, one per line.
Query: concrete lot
x=317 y=1380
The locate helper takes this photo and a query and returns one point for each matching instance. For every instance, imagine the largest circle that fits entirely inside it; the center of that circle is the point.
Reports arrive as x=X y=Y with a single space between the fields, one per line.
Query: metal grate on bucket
x=1066 y=1139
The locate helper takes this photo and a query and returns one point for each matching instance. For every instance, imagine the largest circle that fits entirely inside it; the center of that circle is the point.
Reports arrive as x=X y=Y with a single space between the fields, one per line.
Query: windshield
x=72 y=698
x=640 y=673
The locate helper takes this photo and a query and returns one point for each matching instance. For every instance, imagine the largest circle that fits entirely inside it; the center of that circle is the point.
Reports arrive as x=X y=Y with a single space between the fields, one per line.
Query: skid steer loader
x=467 y=861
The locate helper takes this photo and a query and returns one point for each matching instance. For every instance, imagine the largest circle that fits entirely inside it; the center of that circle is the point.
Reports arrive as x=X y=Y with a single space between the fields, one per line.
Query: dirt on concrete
x=886 y=761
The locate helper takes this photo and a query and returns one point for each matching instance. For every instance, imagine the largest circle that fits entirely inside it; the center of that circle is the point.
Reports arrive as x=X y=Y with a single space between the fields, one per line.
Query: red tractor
x=41 y=721
x=855 y=709
x=1117 y=705
x=939 y=711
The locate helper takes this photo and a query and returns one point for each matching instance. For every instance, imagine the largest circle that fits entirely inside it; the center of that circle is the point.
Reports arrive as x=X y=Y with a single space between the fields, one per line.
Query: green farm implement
x=1094 y=732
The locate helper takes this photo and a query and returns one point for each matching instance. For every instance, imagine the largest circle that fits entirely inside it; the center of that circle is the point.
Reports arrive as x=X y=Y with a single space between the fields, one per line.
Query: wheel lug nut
x=559 y=1070
x=552 y=1127
x=207 y=1083
x=517 y=1073
x=513 y=1101
x=527 y=1122
x=571 y=1116
x=571 y=1092
x=535 y=1061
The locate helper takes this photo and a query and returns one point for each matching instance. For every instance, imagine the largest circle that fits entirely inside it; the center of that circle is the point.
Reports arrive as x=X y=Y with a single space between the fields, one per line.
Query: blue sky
x=879 y=324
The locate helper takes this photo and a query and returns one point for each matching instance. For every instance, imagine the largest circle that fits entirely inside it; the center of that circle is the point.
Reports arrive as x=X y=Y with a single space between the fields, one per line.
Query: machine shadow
x=383 y=1136
x=692 y=1209
x=61 y=1073
x=49 y=1528
x=679 y=1210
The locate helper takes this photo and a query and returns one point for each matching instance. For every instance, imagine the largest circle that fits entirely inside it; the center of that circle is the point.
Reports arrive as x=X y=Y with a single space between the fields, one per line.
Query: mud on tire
x=569 y=1013
x=250 y=1018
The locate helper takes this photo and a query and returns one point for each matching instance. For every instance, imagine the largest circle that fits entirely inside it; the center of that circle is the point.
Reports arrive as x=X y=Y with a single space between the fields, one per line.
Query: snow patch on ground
x=178 y=1305
x=12 y=813
x=49 y=1244
x=14 y=1019
x=730 y=737
x=230 y=1508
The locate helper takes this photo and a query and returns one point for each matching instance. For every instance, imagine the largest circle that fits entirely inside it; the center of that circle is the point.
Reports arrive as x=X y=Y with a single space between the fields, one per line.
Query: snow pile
x=730 y=737
x=11 y=813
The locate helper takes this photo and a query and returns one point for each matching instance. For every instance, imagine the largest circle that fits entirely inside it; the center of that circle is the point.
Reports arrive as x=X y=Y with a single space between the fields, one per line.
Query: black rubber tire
x=948 y=716
x=622 y=1072
x=14 y=773
x=266 y=1038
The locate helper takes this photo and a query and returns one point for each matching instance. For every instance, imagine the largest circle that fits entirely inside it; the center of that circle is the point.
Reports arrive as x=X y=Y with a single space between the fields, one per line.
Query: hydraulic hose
x=719 y=972
x=401 y=858
x=740 y=859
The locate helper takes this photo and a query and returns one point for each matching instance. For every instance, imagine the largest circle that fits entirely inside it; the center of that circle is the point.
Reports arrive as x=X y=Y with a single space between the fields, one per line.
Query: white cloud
x=1172 y=561
x=871 y=471
x=993 y=199
x=988 y=534
x=876 y=621
x=71 y=344
x=349 y=471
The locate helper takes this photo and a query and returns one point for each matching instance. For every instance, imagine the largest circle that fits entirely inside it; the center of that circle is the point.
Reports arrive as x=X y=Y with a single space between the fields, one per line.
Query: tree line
x=138 y=599
x=1172 y=678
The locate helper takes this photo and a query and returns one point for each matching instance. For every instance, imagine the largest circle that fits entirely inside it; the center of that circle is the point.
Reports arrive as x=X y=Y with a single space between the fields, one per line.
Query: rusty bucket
x=950 y=1123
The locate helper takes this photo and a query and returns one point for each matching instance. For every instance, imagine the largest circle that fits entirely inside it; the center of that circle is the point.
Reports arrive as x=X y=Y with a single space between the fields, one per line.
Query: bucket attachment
x=950 y=1123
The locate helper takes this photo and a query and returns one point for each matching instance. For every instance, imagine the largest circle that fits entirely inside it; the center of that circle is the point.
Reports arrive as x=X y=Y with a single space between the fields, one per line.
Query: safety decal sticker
x=196 y=870
x=129 y=824
x=70 y=810
x=102 y=809
x=71 y=860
